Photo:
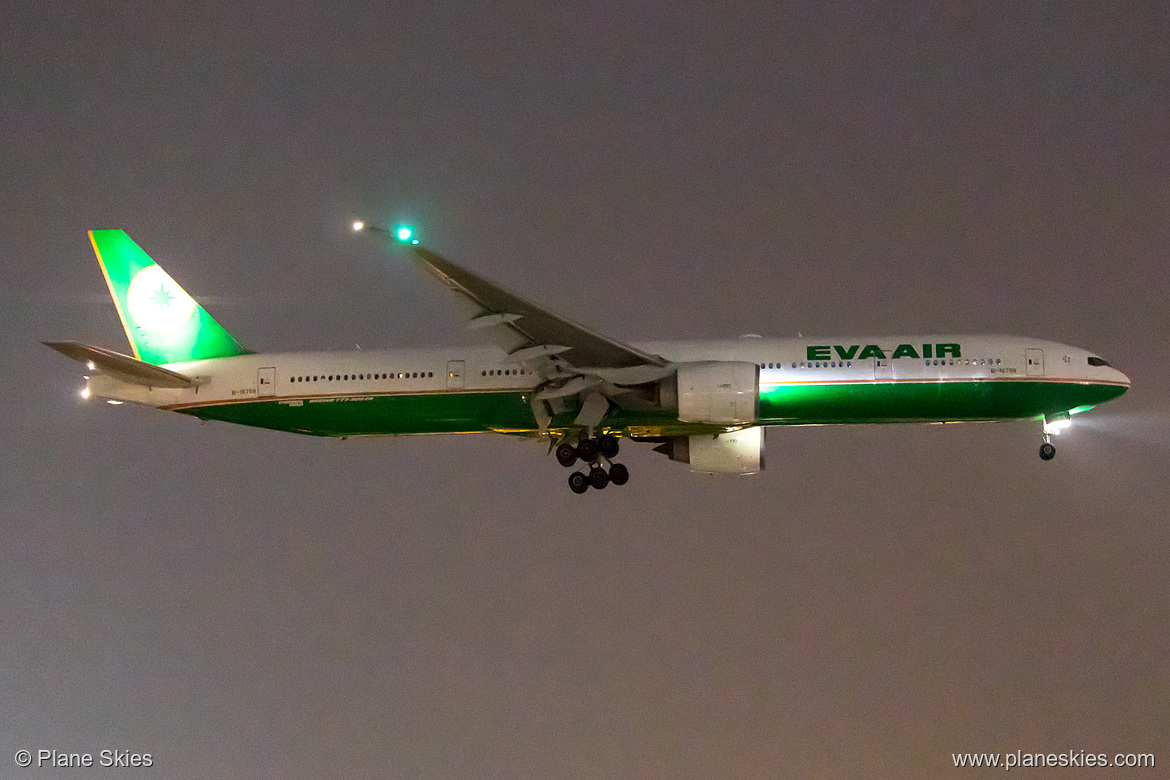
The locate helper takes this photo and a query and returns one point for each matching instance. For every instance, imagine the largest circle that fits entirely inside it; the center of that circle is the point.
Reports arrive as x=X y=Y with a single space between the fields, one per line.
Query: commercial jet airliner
x=705 y=403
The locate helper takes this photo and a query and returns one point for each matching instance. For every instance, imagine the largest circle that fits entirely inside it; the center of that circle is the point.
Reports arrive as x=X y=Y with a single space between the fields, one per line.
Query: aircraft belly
x=378 y=414
x=925 y=401
x=780 y=404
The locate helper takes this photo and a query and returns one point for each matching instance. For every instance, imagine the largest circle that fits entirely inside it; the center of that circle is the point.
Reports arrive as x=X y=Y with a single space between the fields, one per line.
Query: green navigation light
x=404 y=233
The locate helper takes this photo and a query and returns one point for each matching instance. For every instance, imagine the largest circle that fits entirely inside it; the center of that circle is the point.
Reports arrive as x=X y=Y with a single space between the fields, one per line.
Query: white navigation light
x=359 y=226
x=85 y=392
x=404 y=233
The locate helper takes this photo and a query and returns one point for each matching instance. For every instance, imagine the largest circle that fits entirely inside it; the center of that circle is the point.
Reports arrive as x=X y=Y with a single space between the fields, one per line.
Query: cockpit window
x=1096 y=361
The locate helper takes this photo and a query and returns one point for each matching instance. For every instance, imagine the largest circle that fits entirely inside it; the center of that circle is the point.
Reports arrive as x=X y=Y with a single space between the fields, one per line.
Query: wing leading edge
x=526 y=331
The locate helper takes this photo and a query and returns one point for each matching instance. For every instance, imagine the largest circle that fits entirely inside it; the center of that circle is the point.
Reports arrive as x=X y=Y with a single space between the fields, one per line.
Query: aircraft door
x=883 y=368
x=455 y=374
x=1035 y=360
x=266 y=382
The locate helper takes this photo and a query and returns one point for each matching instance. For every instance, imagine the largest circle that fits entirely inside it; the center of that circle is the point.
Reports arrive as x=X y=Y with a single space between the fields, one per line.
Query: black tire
x=598 y=478
x=619 y=474
x=567 y=455
x=608 y=446
x=587 y=450
x=1047 y=451
x=578 y=482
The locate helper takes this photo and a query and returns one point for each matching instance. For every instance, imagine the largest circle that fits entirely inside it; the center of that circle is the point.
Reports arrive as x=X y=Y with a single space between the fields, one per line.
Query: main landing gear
x=597 y=453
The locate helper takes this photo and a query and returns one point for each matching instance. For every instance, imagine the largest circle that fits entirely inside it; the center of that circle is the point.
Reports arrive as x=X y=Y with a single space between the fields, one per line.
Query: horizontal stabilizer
x=122 y=366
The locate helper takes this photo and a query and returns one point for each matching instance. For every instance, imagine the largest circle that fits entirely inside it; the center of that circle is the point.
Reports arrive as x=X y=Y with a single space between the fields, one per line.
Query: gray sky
x=242 y=603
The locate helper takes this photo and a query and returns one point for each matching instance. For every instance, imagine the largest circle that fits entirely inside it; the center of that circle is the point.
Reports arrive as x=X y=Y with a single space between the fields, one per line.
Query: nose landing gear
x=599 y=453
x=1053 y=425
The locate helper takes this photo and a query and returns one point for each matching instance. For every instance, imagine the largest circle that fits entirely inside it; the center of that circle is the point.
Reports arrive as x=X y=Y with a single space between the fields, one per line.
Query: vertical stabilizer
x=163 y=323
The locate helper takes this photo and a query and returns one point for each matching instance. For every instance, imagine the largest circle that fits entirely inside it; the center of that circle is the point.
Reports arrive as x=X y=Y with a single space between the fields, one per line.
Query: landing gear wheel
x=567 y=455
x=587 y=450
x=608 y=445
x=619 y=474
x=578 y=482
x=598 y=478
x=1047 y=451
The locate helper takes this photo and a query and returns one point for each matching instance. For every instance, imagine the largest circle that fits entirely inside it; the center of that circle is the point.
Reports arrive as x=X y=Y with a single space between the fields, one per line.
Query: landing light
x=359 y=226
x=85 y=392
x=1056 y=426
x=90 y=365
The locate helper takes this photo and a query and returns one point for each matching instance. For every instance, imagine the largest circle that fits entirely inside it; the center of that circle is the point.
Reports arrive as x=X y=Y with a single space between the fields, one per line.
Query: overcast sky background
x=243 y=603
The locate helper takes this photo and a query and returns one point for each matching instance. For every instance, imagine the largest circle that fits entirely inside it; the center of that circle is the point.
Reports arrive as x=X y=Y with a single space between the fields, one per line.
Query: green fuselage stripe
x=461 y=411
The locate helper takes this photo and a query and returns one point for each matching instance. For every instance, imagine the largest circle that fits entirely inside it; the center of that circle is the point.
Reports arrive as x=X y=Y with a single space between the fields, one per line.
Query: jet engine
x=737 y=452
x=723 y=393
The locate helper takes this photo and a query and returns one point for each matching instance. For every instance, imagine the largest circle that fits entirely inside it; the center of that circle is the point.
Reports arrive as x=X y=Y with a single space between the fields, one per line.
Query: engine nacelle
x=738 y=452
x=723 y=393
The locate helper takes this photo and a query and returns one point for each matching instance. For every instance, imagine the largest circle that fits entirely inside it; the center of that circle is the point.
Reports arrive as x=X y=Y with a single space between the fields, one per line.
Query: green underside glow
x=927 y=401
x=473 y=412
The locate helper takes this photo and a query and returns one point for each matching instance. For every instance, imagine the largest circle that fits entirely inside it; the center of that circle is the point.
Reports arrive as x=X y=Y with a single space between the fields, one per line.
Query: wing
x=580 y=369
x=526 y=331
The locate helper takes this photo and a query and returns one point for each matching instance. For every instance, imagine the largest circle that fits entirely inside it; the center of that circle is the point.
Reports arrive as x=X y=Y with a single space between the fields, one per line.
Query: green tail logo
x=163 y=323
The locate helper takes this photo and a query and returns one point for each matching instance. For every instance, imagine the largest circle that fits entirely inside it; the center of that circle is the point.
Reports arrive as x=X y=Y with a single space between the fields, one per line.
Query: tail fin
x=163 y=323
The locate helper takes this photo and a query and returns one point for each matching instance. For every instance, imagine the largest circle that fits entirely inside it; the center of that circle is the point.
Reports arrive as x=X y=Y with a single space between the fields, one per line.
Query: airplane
x=704 y=403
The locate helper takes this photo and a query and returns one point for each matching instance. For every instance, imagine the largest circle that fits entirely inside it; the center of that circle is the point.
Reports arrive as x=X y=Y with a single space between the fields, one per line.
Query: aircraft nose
x=1119 y=377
